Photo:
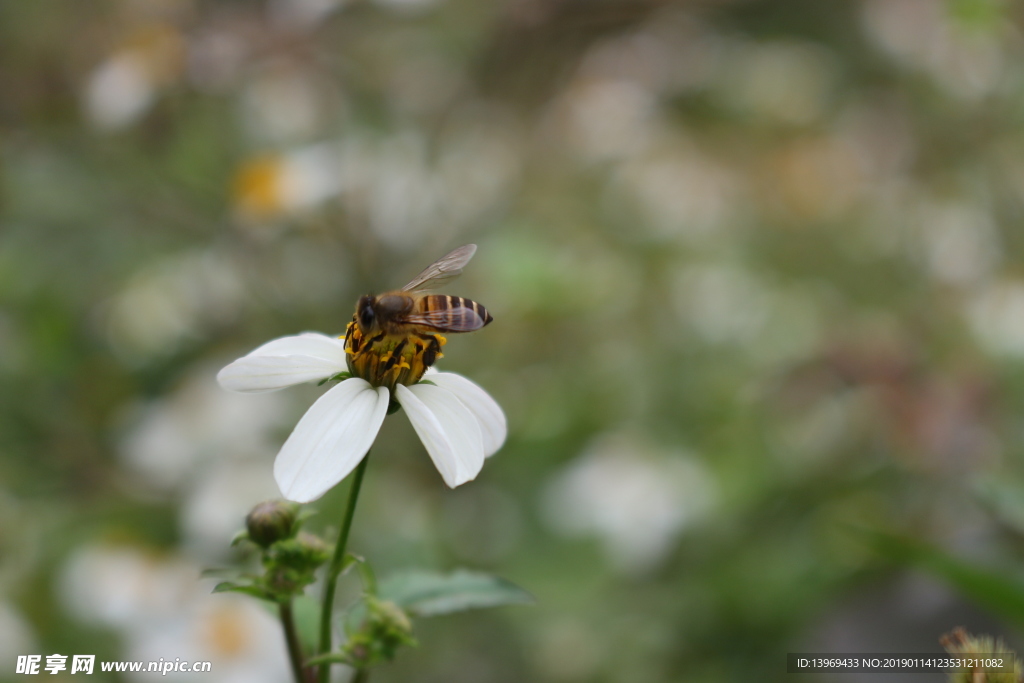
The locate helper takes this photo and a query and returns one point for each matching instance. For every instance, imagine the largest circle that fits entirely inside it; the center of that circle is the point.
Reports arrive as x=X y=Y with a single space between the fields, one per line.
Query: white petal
x=305 y=344
x=447 y=429
x=330 y=439
x=493 y=426
x=284 y=362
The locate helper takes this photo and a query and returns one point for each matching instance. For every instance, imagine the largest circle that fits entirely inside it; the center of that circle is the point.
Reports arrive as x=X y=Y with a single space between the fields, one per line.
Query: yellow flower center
x=227 y=632
x=386 y=360
x=257 y=189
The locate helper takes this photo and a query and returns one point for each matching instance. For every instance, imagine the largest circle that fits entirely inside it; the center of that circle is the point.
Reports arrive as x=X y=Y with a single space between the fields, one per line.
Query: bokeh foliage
x=755 y=267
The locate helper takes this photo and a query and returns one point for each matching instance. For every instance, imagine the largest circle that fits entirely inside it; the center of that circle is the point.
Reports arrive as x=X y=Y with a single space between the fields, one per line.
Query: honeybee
x=395 y=336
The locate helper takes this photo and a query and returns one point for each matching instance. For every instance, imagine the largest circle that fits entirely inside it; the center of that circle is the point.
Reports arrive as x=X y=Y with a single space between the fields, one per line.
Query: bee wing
x=457 y=319
x=442 y=270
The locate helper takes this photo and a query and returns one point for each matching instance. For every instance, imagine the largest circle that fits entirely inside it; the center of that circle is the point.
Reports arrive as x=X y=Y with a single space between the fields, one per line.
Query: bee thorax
x=393 y=304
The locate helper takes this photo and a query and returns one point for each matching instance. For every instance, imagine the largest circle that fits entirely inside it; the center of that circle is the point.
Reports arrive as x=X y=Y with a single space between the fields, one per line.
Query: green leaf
x=997 y=591
x=218 y=572
x=424 y=593
x=247 y=589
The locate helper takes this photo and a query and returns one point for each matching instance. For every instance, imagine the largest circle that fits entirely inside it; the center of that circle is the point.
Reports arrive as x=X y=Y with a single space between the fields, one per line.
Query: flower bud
x=291 y=564
x=391 y=619
x=305 y=552
x=384 y=630
x=271 y=521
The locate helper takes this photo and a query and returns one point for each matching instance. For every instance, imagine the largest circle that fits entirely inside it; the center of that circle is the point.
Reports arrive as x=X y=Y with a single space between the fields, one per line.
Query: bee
x=395 y=336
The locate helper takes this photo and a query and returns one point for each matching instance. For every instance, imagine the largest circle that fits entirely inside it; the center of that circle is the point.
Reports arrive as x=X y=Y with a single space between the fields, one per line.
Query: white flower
x=457 y=421
x=125 y=86
x=169 y=440
x=18 y=636
x=289 y=182
x=163 y=610
x=634 y=498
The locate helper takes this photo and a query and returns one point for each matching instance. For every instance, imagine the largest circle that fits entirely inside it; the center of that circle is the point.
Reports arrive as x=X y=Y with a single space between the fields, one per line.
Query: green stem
x=291 y=637
x=362 y=676
x=331 y=580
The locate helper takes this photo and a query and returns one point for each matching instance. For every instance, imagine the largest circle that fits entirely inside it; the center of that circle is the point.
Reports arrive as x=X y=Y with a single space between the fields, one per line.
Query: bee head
x=365 y=315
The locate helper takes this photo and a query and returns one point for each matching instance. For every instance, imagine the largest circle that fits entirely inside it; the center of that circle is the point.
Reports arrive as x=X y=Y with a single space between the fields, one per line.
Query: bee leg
x=353 y=339
x=432 y=352
x=396 y=354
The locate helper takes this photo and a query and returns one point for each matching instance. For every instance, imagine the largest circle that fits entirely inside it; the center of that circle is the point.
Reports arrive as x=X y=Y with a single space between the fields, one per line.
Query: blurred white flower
x=285 y=102
x=238 y=636
x=119 y=90
x=392 y=183
x=967 y=61
x=457 y=421
x=216 y=503
x=409 y=194
x=175 y=300
x=273 y=185
x=123 y=87
x=681 y=193
x=636 y=501
x=996 y=316
x=725 y=304
x=960 y=242
x=16 y=637
x=169 y=439
x=608 y=118
x=163 y=610
x=477 y=166
x=402 y=189
x=121 y=586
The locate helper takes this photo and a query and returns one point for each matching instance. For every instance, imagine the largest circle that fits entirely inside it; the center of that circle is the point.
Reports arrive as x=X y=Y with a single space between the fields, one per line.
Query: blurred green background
x=757 y=275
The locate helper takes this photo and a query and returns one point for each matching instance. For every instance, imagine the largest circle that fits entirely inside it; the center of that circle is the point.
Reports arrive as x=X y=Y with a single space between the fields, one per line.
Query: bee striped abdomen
x=460 y=310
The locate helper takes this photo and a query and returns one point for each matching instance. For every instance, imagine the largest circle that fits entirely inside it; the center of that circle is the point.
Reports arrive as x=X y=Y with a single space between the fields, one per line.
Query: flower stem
x=362 y=676
x=334 y=569
x=291 y=637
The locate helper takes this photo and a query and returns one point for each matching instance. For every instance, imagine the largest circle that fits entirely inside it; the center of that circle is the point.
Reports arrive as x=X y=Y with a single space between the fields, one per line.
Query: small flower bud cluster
x=291 y=563
x=385 y=629
x=290 y=557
